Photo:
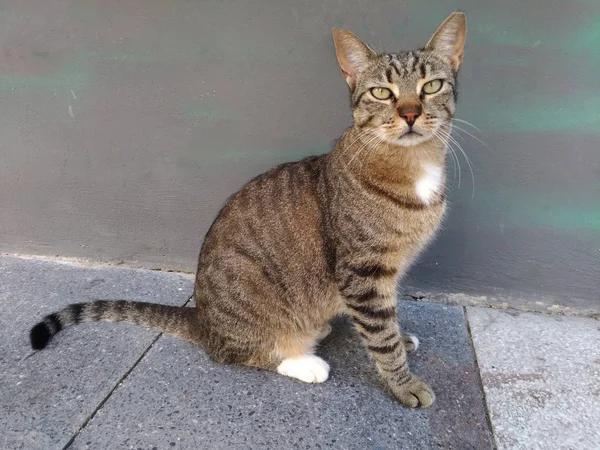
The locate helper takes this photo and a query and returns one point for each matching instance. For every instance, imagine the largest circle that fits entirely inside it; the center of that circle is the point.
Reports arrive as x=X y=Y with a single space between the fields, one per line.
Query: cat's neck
x=365 y=155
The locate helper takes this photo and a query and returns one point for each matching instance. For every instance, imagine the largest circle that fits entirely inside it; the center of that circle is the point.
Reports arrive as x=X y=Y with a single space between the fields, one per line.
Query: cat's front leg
x=378 y=328
x=373 y=310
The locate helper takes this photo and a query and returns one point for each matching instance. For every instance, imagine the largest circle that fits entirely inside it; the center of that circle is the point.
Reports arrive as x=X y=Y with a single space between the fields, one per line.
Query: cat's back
x=274 y=221
x=287 y=192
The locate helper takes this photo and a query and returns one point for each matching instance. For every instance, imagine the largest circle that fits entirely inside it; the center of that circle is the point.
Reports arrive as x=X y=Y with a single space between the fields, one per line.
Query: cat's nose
x=410 y=113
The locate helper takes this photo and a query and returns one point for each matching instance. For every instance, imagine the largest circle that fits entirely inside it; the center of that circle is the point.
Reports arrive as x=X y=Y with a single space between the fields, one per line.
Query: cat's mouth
x=409 y=135
x=408 y=138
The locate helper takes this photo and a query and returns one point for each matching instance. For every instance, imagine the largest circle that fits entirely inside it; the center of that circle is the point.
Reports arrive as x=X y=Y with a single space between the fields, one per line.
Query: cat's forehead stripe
x=407 y=64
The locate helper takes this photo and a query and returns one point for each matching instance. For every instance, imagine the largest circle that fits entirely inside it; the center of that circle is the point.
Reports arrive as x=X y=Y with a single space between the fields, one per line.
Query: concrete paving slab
x=541 y=376
x=178 y=398
x=45 y=399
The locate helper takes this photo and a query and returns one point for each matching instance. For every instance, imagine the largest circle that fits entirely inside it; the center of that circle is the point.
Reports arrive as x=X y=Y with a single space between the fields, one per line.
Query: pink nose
x=410 y=113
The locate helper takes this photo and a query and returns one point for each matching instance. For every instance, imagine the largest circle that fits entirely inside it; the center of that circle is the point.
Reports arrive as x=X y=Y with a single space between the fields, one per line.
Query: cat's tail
x=180 y=321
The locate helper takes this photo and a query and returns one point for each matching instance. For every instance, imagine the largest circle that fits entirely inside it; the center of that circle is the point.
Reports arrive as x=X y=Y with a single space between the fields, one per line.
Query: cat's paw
x=411 y=342
x=414 y=394
x=307 y=368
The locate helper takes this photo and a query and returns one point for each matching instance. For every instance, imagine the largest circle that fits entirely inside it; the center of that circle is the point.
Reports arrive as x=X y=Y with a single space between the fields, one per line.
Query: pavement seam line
x=439 y=299
x=488 y=417
x=117 y=385
x=105 y=399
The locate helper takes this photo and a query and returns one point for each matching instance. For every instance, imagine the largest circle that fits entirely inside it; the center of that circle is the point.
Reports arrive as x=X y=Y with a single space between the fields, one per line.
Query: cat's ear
x=449 y=39
x=351 y=53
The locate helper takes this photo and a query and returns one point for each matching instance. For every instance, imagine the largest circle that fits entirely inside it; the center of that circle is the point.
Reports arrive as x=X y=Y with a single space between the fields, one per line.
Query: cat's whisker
x=454 y=169
x=359 y=137
x=456 y=127
x=437 y=134
x=453 y=140
x=365 y=145
x=455 y=163
x=450 y=137
x=467 y=159
x=452 y=156
x=466 y=122
x=469 y=163
x=453 y=151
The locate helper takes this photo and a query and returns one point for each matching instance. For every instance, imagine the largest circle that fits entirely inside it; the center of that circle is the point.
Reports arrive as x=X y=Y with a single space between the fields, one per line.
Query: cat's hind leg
x=298 y=359
x=308 y=368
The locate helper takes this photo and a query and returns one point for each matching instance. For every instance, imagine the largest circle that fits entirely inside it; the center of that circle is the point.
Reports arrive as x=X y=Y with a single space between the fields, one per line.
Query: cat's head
x=404 y=98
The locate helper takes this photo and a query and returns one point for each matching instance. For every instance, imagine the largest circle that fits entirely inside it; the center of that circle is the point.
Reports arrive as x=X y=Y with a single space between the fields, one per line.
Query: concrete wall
x=124 y=126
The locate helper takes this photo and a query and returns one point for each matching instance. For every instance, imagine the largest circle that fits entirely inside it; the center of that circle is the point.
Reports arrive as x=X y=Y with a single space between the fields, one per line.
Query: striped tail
x=180 y=321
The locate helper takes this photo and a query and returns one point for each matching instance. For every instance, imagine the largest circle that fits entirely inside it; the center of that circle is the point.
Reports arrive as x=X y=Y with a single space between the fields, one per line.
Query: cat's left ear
x=449 y=39
x=351 y=53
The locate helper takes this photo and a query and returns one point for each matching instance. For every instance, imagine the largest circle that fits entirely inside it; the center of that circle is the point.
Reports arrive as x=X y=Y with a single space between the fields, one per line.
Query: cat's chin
x=409 y=139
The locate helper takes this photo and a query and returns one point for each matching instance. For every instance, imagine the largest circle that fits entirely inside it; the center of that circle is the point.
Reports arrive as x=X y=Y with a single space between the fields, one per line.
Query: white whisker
x=467 y=123
x=473 y=136
x=365 y=145
x=467 y=159
x=445 y=140
x=361 y=134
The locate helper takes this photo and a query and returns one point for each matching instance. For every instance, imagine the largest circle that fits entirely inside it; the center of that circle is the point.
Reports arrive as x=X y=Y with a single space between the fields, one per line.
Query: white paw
x=307 y=368
x=411 y=343
x=415 y=341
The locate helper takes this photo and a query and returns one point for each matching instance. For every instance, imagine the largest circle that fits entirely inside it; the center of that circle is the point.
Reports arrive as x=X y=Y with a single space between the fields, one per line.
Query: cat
x=324 y=236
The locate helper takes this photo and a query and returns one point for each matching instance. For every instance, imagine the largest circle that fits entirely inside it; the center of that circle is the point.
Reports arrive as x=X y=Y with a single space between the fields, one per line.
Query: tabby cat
x=324 y=236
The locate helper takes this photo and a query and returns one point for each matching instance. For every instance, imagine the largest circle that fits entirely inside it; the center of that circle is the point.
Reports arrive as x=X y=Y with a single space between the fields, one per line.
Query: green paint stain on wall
x=74 y=75
x=587 y=38
x=130 y=58
x=205 y=115
x=578 y=112
x=200 y=112
x=244 y=156
x=502 y=59
x=539 y=210
x=540 y=77
x=510 y=34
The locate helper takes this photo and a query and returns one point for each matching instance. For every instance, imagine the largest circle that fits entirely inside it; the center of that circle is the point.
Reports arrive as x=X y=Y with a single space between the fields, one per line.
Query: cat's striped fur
x=326 y=235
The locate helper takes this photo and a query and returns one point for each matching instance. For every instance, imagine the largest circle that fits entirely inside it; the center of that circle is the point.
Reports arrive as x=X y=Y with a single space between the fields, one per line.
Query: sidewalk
x=117 y=386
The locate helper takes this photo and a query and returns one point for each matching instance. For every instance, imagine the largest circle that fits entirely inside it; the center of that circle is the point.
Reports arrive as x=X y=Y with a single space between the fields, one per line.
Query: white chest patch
x=430 y=183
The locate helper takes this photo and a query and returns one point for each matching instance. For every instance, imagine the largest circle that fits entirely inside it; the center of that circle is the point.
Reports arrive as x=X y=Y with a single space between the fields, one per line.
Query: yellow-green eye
x=432 y=87
x=381 y=93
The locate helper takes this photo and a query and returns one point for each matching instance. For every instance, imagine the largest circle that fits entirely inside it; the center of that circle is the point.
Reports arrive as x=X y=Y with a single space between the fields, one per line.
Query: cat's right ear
x=449 y=39
x=351 y=53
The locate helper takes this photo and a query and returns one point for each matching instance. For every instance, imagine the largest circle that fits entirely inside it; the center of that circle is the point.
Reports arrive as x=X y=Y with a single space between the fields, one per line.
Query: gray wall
x=126 y=124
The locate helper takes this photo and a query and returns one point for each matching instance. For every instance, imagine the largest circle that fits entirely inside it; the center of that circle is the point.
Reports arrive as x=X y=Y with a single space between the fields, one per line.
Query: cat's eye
x=432 y=86
x=381 y=93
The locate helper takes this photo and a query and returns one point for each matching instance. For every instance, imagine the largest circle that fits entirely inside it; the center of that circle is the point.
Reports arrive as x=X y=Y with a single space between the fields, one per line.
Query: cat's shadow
x=345 y=353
